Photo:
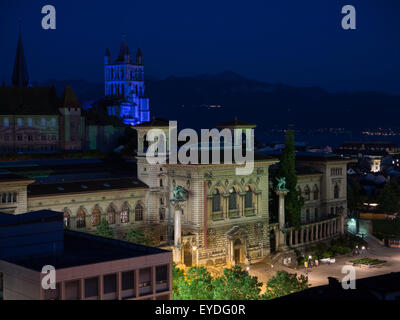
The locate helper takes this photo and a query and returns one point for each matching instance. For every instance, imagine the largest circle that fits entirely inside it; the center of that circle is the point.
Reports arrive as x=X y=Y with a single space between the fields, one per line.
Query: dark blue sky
x=294 y=42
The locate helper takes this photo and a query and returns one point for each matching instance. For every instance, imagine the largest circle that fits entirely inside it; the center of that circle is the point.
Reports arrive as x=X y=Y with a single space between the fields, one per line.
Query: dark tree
x=287 y=168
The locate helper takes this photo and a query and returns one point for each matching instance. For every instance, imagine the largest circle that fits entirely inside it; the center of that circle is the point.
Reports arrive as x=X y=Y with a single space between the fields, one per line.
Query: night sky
x=294 y=42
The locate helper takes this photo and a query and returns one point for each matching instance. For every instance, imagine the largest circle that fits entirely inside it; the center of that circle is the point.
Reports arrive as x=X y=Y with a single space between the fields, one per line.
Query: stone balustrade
x=310 y=233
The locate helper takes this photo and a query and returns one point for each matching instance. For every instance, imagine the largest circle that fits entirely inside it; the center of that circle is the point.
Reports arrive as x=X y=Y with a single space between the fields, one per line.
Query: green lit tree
x=104 y=229
x=287 y=168
x=136 y=236
x=195 y=284
x=178 y=279
x=236 y=284
x=284 y=283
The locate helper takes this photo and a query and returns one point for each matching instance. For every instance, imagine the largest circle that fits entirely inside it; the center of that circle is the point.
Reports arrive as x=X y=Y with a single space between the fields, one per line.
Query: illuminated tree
x=104 y=229
x=284 y=283
x=236 y=284
x=196 y=284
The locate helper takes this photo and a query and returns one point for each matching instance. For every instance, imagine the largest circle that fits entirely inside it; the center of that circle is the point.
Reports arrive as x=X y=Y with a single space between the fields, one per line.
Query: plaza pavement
x=319 y=275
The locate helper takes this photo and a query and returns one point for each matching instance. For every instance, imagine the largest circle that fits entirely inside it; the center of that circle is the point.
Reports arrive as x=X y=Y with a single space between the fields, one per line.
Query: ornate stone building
x=124 y=78
x=225 y=219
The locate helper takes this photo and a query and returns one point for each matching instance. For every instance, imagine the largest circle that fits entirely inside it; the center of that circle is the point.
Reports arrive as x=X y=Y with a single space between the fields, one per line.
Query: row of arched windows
x=232 y=200
x=306 y=193
x=110 y=216
x=8 y=197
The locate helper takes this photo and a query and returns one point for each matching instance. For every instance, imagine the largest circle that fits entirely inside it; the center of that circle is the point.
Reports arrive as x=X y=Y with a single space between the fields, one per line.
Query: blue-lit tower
x=124 y=80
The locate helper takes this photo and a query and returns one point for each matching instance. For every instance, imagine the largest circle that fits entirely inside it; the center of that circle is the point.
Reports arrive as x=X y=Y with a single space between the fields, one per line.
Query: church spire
x=124 y=55
x=20 y=77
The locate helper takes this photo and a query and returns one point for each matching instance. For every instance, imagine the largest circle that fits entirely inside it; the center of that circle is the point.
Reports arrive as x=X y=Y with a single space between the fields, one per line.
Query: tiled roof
x=69 y=99
x=85 y=186
x=28 y=101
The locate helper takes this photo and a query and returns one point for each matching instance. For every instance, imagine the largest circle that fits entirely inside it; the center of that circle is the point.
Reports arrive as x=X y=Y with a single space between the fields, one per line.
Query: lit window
x=125 y=214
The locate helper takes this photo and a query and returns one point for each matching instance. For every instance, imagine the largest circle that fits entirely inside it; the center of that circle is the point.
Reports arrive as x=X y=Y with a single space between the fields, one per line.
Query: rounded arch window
x=67 y=218
x=307 y=196
x=110 y=217
x=248 y=198
x=316 y=192
x=216 y=201
x=233 y=199
x=81 y=219
x=336 y=192
x=96 y=214
x=139 y=212
x=125 y=214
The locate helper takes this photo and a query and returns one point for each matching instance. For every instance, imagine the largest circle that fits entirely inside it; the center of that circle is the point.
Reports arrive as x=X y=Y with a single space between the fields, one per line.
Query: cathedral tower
x=124 y=83
x=20 y=77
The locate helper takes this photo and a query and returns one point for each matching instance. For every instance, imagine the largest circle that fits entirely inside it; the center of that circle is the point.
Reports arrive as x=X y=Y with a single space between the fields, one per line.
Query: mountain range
x=202 y=101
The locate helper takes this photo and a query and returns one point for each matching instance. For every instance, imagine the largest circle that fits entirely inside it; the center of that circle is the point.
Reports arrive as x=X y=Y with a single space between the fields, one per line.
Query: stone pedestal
x=282 y=235
x=178 y=235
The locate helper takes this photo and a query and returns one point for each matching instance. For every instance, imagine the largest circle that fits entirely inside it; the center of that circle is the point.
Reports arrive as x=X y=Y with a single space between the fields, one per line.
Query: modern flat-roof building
x=87 y=267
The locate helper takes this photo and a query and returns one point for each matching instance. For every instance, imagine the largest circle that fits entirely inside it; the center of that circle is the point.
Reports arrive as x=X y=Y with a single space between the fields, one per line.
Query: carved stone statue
x=178 y=194
x=281 y=184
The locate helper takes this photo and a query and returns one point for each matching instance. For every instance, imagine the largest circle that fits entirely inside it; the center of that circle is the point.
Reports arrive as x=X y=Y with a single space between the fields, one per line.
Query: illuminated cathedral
x=124 y=85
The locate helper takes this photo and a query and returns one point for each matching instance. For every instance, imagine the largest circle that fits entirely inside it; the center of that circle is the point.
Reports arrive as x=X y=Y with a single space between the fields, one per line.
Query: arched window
x=110 y=217
x=162 y=214
x=67 y=218
x=96 y=217
x=316 y=192
x=336 y=192
x=248 y=199
x=233 y=200
x=125 y=214
x=139 y=212
x=81 y=219
x=307 y=195
x=216 y=201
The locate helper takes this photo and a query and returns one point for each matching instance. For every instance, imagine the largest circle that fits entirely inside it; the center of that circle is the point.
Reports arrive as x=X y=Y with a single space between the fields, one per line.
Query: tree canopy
x=104 y=229
x=234 y=284
x=284 y=283
x=136 y=236
x=287 y=168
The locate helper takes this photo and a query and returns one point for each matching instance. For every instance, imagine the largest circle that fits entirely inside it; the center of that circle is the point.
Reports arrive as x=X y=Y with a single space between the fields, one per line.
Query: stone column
x=312 y=233
x=296 y=237
x=341 y=223
x=178 y=235
x=282 y=235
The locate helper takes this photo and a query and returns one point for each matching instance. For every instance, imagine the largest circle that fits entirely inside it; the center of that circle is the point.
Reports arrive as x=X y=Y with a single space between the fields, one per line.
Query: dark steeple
x=124 y=55
x=139 y=57
x=20 y=77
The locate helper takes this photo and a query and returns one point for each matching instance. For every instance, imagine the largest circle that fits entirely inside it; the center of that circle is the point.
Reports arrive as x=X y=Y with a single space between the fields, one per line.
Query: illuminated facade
x=124 y=78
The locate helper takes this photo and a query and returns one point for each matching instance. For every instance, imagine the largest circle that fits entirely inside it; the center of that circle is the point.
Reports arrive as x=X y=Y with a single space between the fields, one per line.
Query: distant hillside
x=204 y=100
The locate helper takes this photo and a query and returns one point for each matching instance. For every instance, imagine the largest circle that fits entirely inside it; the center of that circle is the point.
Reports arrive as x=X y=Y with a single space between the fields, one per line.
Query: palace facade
x=226 y=218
